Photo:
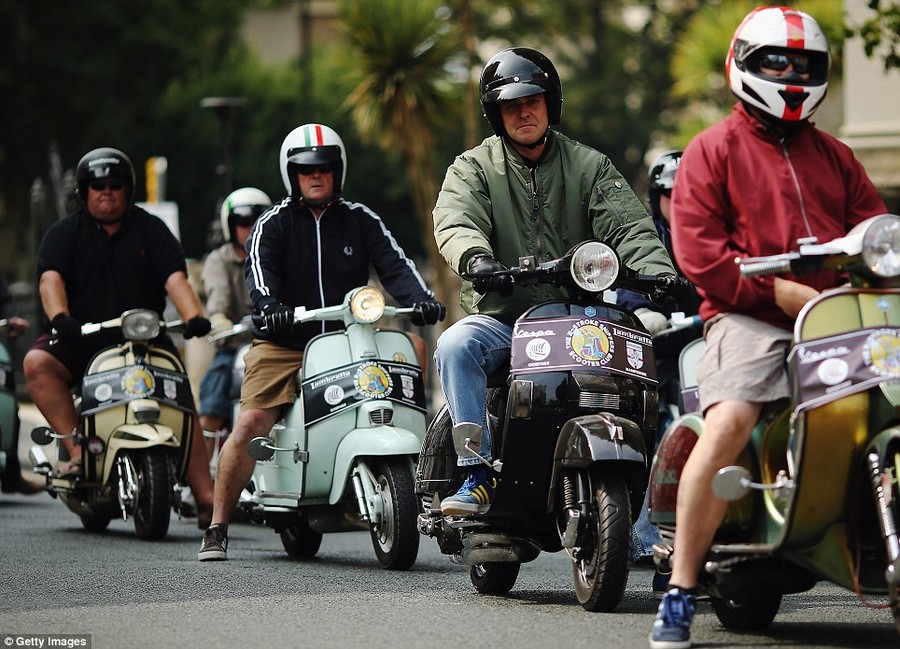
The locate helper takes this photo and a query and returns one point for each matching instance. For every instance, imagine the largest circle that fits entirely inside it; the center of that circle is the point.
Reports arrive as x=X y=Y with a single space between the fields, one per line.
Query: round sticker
x=103 y=392
x=373 y=381
x=833 y=371
x=590 y=343
x=881 y=352
x=537 y=349
x=138 y=382
x=334 y=394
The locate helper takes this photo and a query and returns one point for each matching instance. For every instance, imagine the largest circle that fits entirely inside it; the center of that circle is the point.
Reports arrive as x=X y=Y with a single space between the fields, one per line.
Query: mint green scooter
x=343 y=458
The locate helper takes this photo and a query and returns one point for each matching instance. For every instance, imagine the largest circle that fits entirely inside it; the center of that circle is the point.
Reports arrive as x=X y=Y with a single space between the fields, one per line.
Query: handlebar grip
x=773 y=267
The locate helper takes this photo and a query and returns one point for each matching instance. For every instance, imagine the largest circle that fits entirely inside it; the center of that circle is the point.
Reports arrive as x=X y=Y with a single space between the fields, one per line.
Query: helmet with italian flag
x=312 y=144
x=779 y=33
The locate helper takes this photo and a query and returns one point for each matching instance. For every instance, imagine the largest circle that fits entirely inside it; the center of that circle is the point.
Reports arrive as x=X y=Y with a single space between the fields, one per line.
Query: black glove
x=66 y=328
x=481 y=266
x=278 y=318
x=673 y=290
x=196 y=327
x=428 y=312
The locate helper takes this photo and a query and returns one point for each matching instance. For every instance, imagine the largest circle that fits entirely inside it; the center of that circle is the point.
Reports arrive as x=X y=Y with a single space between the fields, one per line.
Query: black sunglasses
x=779 y=61
x=309 y=170
x=101 y=185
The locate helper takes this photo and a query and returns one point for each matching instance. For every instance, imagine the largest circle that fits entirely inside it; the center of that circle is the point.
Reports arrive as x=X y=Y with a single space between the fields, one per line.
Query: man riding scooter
x=309 y=250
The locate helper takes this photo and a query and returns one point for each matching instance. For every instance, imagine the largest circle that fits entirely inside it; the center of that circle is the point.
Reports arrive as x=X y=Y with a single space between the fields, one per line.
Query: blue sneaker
x=672 y=628
x=474 y=496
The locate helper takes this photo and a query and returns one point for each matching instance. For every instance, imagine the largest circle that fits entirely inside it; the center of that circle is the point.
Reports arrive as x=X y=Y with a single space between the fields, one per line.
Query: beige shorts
x=270 y=375
x=744 y=360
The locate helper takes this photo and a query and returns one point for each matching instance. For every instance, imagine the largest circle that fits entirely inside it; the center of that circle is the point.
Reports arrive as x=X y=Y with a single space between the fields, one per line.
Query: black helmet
x=519 y=72
x=661 y=177
x=103 y=163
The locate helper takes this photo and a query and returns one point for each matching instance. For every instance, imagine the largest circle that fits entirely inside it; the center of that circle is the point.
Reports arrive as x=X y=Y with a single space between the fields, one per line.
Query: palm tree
x=397 y=52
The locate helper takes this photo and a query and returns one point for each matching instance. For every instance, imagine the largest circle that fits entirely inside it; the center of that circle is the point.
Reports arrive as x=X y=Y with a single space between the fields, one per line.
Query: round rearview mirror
x=732 y=483
x=41 y=435
x=260 y=449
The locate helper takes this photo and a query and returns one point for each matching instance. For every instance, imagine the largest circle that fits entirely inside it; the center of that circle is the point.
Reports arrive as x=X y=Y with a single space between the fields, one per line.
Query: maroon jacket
x=742 y=192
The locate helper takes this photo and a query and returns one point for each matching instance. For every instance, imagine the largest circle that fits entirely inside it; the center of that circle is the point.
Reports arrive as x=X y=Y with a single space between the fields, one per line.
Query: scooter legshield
x=370 y=442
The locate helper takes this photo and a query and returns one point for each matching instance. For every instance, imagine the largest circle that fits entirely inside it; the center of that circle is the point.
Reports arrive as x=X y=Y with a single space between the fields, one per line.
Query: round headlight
x=367 y=305
x=881 y=246
x=140 y=324
x=594 y=266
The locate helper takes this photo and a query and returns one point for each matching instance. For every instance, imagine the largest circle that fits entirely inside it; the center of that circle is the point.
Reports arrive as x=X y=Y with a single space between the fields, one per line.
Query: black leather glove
x=674 y=290
x=480 y=266
x=278 y=318
x=66 y=328
x=428 y=312
x=196 y=327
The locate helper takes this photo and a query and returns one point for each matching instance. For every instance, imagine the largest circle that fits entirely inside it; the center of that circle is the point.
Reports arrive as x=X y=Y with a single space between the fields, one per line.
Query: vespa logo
x=522 y=333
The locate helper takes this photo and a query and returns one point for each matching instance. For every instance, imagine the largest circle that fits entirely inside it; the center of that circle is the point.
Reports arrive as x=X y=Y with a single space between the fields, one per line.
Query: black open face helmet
x=104 y=162
x=519 y=72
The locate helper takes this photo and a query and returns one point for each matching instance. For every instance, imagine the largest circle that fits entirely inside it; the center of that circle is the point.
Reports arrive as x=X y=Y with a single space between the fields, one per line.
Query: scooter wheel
x=751 y=612
x=494 y=578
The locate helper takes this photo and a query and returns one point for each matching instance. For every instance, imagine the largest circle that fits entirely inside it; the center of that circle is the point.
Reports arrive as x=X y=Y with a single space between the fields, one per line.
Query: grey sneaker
x=215 y=544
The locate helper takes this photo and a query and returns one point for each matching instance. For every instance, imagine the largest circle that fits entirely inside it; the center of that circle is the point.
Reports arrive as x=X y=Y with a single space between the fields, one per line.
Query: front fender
x=601 y=437
x=131 y=436
x=378 y=441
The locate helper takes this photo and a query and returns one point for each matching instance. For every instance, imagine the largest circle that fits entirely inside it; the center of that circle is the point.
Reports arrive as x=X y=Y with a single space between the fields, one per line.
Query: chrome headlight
x=881 y=245
x=140 y=324
x=367 y=305
x=594 y=266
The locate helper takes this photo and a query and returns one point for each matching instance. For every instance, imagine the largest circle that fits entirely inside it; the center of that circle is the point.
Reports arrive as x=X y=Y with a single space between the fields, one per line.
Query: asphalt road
x=58 y=578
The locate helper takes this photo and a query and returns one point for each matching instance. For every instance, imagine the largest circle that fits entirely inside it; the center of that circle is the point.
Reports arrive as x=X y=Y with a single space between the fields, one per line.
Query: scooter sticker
x=138 y=382
x=553 y=344
x=833 y=367
x=881 y=353
x=329 y=393
x=373 y=381
x=590 y=343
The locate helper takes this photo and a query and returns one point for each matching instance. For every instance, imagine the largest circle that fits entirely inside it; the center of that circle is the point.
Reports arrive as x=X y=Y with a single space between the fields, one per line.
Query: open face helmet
x=661 y=177
x=779 y=33
x=243 y=205
x=312 y=144
x=104 y=162
x=519 y=72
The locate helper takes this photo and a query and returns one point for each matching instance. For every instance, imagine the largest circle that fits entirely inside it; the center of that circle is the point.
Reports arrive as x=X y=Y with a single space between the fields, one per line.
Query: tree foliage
x=880 y=32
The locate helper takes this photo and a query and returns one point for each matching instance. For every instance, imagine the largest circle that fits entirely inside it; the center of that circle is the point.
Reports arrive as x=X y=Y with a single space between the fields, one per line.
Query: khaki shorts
x=744 y=360
x=270 y=375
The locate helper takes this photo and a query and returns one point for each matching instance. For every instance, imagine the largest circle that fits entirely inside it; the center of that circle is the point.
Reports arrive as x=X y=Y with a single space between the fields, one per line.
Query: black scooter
x=571 y=423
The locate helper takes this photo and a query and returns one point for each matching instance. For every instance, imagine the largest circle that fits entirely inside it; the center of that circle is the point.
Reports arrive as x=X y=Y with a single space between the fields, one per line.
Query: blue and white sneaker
x=474 y=496
x=672 y=628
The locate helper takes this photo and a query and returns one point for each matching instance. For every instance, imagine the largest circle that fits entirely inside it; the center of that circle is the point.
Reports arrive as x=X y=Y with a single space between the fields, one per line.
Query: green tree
x=881 y=32
x=396 y=55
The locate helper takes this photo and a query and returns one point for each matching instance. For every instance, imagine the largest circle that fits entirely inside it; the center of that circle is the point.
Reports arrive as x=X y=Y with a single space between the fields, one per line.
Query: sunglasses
x=102 y=185
x=246 y=222
x=779 y=62
x=309 y=170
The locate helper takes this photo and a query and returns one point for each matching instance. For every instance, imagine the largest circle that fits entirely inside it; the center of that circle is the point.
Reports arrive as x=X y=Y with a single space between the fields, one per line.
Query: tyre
x=395 y=538
x=153 y=499
x=751 y=612
x=300 y=541
x=95 y=522
x=600 y=568
x=494 y=578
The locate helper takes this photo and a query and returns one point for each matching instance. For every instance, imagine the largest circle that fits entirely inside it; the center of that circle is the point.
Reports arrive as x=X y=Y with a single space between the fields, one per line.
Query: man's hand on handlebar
x=66 y=328
x=428 y=312
x=278 y=319
x=483 y=269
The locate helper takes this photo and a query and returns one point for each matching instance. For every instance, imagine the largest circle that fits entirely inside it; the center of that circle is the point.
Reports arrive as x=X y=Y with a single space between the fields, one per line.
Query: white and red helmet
x=779 y=30
x=312 y=144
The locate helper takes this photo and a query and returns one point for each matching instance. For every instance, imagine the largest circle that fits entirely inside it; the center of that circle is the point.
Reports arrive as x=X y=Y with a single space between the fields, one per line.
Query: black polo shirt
x=108 y=274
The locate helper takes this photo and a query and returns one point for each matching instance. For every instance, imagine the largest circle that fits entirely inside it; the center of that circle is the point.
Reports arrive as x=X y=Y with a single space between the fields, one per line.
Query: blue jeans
x=465 y=354
x=215 y=387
